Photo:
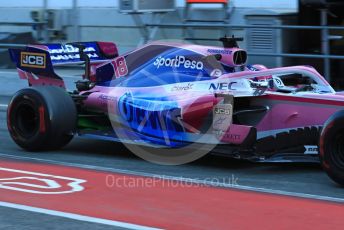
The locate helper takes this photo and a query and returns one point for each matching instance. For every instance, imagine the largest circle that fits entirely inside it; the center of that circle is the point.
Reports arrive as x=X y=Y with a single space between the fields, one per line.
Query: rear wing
x=40 y=59
x=65 y=54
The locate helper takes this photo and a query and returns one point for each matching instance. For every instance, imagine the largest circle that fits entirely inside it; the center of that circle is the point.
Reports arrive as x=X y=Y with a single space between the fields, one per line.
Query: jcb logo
x=33 y=60
x=222 y=111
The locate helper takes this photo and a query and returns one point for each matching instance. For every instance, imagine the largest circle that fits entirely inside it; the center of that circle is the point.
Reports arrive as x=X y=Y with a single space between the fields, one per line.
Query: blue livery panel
x=154 y=118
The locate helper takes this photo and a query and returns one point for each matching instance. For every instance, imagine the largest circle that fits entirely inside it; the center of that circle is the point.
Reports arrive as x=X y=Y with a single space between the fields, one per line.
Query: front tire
x=41 y=118
x=331 y=147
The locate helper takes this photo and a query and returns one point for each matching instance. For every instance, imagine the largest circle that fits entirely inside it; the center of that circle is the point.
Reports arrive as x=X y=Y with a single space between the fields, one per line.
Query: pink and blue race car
x=167 y=96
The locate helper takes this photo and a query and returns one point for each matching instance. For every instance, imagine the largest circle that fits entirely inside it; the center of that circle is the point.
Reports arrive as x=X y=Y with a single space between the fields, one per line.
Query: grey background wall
x=101 y=20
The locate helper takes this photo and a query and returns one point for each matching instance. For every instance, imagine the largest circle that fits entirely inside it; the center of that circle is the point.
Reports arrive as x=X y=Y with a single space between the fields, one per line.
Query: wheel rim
x=26 y=120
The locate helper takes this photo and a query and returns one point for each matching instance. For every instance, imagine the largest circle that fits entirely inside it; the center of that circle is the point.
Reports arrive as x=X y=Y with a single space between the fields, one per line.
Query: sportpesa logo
x=178 y=61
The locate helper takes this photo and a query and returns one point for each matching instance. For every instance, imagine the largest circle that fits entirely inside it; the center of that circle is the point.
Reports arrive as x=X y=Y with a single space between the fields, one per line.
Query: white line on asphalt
x=3 y=106
x=76 y=216
x=180 y=179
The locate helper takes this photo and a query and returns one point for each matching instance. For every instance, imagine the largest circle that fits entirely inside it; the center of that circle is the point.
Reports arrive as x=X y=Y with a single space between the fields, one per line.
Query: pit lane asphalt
x=307 y=179
x=19 y=219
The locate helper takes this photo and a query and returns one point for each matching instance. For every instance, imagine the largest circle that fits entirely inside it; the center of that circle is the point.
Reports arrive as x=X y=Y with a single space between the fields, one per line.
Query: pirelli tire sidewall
x=331 y=147
x=54 y=121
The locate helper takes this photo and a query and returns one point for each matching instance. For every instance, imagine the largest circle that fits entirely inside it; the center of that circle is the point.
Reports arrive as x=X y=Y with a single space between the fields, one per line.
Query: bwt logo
x=33 y=60
x=177 y=62
x=70 y=49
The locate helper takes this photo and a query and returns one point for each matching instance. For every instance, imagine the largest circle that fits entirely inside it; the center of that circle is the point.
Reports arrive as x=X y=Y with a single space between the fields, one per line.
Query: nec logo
x=33 y=60
x=221 y=86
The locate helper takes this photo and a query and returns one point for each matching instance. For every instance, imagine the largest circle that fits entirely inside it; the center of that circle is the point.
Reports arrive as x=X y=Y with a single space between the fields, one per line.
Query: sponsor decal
x=232 y=136
x=178 y=61
x=65 y=57
x=70 y=49
x=259 y=91
x=33 y=60
x=252 y=68
x=222 y=86
x=311 y=149
x=69 y=52
x=228 y=136
x=182 y=87
x=107 y=97
x=216 y=73
x=150 y=117
x=219 y=51
x=222 y=111
x=222 y=119
x=219 y=120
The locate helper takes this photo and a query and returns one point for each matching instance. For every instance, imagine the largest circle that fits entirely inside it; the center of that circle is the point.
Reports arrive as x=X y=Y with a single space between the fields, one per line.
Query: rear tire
x=331 y=147
x=41 y=118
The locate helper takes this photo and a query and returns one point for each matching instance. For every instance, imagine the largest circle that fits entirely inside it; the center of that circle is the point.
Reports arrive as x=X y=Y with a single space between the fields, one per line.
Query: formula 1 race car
x=173 y=95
